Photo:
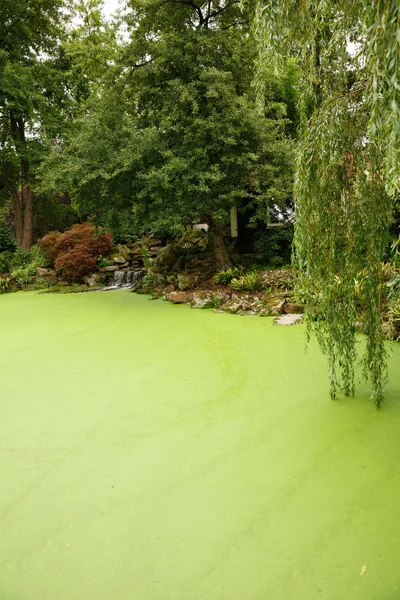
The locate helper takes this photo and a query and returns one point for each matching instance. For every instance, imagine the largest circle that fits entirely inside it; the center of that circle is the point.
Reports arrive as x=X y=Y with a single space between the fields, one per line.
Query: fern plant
x=394 y=320
x=252 y=282
x=225 y=276
x=3 y=285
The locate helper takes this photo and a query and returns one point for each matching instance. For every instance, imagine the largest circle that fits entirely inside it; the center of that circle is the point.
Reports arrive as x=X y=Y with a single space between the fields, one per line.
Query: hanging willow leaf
x=347 y=165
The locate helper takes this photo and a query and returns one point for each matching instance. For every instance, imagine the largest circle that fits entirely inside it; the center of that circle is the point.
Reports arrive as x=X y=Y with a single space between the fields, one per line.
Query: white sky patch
x=110 y=6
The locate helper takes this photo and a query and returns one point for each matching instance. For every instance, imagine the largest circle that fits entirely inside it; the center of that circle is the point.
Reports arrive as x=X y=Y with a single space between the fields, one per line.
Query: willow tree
x=347 y=165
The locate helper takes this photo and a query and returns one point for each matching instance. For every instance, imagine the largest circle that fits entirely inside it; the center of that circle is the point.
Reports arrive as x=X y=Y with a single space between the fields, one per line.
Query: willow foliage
x=347 y=167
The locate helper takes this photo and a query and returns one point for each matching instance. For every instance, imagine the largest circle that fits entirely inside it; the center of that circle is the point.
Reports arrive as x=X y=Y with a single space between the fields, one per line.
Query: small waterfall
x=126 y=279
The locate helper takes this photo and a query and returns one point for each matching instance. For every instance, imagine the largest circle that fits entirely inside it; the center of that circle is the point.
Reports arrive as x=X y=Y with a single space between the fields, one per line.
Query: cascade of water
x=126 y=278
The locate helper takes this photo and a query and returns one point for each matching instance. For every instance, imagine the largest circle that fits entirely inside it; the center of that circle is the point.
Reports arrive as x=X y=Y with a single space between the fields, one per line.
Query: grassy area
x=153 y=452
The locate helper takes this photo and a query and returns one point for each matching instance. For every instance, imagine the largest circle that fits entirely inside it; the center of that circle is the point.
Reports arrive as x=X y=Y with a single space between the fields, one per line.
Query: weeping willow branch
x=347 y=165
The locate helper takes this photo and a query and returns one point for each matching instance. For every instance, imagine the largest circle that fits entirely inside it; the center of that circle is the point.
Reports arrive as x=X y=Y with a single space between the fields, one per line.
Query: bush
x=3 y=285
x=224 y=277
x=252 y=282
x=24 y=274
x=20 y=258
x=7 y=240
x=394 y=320
x=48 y=245
x=5 y=259
x=284 y=283
x=393 y=287
x=78 y=249
x=75 y=263
x=276 y=245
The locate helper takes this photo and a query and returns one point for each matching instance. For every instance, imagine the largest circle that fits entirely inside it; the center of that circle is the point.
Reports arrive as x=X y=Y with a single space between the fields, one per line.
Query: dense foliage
x=175 y=134
x=75 y=252
x=347 y=169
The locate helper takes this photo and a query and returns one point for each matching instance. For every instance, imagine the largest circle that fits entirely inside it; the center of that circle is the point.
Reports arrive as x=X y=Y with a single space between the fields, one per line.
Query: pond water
x=154 y=452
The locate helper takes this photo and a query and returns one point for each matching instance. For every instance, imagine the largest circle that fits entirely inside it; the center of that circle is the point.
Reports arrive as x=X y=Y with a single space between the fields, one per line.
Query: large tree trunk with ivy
x=23 y=200
x=347 y=168
x=220 y=254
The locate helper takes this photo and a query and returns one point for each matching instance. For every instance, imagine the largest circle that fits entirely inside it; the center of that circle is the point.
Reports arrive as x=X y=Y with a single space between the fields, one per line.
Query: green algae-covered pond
x=153 y=452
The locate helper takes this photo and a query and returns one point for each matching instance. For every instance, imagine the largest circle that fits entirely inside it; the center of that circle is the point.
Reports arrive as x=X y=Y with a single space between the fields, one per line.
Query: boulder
x=123 y=251
x=167 y=290
x=206 y=300
x=180 y=297
x=109 y=269
x=136 y=250
x=187 y=281
x=273 y=308
x=119 y=260
x=290 y=308
x=294 y=319
x=232 y=306
x=168 y=256
x=95 y=279
x=42 y=272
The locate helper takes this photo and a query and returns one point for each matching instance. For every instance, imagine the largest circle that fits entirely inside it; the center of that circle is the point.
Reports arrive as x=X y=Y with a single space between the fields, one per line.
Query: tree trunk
x=27 y=236
x=22 y=202
x=222 y=260
x=221 y=257
x=19 y=218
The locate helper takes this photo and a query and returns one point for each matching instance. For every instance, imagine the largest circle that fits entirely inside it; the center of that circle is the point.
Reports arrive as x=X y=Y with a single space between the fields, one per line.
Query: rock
x=207 y=300
x=167 y=290
x=273 y=307
x=42 y=272
x=290 y=308
x=232 y=306
x=158 y=280
x=123 y=251
x=388 y=331
x=95 y=279
x=109 y=269
x=156 y=294
x=119 y=260
x=167 y=256
x=187 y=281
x=289 y=319
x=180 y=297
x=47 y=275
x=136 y=250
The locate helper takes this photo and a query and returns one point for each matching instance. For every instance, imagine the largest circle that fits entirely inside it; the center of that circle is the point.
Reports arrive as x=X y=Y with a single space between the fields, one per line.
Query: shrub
x=7 y=240
x=285 y=283
x=393 y=287
x=224 y=277
x=41 y=284
x=3 y=285
x=252 y=282
x=5 y=259
x=275 y=245
x=104 y=262
x=394 y=320
x=20 y=258
x=24 y=274
x=95 y=240
x=76 y=262
x=76 y=252
x=48 y=245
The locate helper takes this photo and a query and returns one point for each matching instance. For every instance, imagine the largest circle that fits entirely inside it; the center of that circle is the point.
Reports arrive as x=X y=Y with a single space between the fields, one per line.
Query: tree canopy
x=175 y=132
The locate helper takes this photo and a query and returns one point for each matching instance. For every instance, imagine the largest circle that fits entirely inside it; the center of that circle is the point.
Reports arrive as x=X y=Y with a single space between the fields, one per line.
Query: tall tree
x=177 y=135
x=348 y=164
x=29 y=33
